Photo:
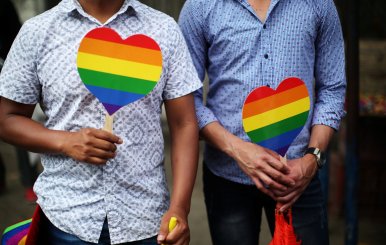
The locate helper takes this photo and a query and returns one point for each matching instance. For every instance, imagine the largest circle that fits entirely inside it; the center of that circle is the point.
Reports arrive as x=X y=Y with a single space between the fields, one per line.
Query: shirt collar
x=271 y=6
x=69 y=6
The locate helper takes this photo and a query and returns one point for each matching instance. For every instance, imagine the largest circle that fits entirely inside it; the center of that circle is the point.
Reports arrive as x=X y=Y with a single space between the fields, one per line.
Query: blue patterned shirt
x=300 y=38
x=130 y=190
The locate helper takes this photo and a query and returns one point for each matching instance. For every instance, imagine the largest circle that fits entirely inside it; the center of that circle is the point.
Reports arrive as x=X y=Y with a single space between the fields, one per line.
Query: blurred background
x=355 y=178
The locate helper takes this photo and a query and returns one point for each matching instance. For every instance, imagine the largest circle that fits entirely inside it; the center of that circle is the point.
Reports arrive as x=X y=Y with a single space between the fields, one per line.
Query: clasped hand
x=282 y=180
x=90 y=145
x=180 y=235
x=302 y=170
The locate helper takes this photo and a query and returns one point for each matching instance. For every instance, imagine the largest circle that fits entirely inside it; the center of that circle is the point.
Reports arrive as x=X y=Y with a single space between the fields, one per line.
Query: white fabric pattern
x=130 y=190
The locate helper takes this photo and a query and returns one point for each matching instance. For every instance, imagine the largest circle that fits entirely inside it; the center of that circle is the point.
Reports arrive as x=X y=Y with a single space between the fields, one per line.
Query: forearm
x=320 y=136
x=218 y=136
x=183 y=129
x=184 y=159
x=26 y=133
x=303 y=169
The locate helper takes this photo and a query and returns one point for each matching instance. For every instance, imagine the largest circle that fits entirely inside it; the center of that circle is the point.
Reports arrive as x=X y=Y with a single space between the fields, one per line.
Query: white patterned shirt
x=130 y=190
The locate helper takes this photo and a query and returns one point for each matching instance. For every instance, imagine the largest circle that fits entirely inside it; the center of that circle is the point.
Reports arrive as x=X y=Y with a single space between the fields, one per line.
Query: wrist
x=310 y=162
x=179 y=209
x=62 y=142
x=318 y=154
x=231 y=145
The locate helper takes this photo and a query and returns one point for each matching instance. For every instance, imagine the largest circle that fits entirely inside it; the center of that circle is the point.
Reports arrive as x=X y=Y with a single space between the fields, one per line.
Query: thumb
x=163 y=231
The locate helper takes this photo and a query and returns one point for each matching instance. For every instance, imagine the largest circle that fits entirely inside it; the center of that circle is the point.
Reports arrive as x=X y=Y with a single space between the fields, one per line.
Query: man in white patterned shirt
x=99 y=187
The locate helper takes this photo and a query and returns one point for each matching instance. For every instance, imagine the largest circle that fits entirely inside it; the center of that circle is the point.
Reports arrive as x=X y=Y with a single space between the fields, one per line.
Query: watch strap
x=318 y=154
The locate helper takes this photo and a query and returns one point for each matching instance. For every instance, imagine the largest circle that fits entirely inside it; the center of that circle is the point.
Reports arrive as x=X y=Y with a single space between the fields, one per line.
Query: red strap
x=33 y=233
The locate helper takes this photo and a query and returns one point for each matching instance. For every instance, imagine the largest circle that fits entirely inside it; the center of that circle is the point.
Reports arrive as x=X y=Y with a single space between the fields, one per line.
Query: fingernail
x=120 y=141
x=160 y=238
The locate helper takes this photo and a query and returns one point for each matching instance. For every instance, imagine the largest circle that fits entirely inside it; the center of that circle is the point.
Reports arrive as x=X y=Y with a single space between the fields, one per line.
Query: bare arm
x=184 y=158
x=260 y=164
x=87 y=145
x=304 y=169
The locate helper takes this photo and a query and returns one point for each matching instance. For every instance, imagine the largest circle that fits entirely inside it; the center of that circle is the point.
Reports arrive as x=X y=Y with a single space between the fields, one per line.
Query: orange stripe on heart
x=274 y=118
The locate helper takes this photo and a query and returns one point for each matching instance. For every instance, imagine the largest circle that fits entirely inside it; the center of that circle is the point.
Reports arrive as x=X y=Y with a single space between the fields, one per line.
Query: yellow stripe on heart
x=119 y=67
x=276 y=115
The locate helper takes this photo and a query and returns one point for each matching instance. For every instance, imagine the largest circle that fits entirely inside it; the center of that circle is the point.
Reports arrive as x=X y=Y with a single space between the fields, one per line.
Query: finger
x=262 y=188
x=98 y=153
x=279 y=177
x=273 y=153
x=104 y=145
x=288 y=198
x=104 y=135
x=286 y=206
x=95 y=160
x=163 y=231
x=278 y=165
x=179 y=232
x=278 y=193
x=269 y=182
x=184 y=241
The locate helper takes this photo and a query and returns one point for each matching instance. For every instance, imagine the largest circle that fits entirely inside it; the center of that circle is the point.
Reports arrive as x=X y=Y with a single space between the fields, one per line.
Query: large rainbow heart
x=274 y=118
x=117 y=71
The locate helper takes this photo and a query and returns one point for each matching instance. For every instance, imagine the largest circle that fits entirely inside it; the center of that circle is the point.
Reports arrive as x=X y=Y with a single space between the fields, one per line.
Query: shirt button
x=266 y=56
x=265 y=26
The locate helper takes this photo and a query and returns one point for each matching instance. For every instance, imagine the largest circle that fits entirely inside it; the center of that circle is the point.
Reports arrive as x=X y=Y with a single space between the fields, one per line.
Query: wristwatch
x=319 y=155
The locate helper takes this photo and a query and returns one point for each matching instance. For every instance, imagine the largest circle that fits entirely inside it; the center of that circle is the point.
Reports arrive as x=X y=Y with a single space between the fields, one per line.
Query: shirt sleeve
x=330 y=78
x=191 y=24
x=18 y=79
x=181 y=75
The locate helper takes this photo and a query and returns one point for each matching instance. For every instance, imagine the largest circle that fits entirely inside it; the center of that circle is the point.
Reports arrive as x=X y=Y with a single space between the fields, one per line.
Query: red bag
x=284 y=231
x=35 y=235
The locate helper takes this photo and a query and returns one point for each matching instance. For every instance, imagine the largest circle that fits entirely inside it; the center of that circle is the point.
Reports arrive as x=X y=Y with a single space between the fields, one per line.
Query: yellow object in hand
x=172 y=224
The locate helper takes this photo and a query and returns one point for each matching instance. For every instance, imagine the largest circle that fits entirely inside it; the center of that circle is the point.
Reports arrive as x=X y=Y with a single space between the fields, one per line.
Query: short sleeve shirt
x=130 y=190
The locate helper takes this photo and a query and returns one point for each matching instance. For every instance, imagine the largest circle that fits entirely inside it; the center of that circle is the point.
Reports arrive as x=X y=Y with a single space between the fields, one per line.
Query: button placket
x=265 y=54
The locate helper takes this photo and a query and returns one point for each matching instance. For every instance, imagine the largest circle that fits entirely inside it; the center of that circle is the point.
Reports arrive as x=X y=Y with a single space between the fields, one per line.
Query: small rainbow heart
x=274 y=118
x=117 y=71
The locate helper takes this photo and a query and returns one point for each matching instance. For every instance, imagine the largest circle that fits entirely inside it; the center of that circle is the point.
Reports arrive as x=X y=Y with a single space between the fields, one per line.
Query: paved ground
x=13 y=208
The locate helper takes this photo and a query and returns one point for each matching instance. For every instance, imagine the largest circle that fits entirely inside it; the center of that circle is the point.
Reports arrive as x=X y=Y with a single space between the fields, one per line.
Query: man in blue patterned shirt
x=242 y=45
x=99 y=187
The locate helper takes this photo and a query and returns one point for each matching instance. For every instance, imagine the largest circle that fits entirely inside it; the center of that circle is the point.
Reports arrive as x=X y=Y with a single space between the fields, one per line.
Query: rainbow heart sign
x=118 y=71
x=274 y=118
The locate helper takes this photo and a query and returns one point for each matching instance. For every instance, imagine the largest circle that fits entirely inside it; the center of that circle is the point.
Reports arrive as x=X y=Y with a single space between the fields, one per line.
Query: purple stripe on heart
x=111 y=109
x=281 y=142
x=16 y=238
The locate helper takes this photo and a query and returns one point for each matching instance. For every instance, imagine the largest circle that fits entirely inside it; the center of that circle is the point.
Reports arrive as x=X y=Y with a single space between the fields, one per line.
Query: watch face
x=320 y=156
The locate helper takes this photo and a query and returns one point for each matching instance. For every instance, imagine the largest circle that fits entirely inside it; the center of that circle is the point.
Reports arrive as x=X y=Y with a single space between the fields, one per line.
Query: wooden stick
x=109 y=123
x=283 y=159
